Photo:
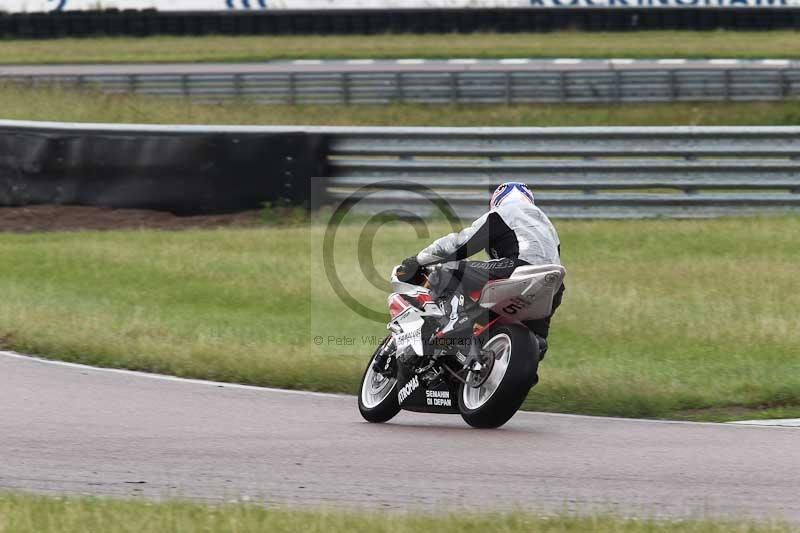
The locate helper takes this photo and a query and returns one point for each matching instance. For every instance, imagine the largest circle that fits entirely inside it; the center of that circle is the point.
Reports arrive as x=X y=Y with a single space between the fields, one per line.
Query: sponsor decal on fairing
x=407 y=389
x=439 y=398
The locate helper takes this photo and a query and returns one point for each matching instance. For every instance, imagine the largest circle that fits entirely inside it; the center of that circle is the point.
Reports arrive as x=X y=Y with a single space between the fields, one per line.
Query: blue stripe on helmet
x=503 y=194
x=524 y=190
x=511 y=186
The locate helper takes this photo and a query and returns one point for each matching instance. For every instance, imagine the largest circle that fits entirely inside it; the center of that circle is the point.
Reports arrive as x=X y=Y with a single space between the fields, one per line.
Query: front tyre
x=377 y=399
x=500 y=394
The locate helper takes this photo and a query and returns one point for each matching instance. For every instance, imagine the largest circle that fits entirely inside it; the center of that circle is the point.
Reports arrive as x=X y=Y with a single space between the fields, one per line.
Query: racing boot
x=452 y=306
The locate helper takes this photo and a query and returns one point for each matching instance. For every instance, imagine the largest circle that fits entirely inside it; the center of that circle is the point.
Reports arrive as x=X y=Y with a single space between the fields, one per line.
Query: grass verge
x=691 y=319
x=23 y=513
x=650 y=44
x=54 y=104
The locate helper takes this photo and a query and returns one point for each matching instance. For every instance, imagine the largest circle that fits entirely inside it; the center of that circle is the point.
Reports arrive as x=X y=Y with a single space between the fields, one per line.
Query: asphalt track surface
x=398 y=65
x=72 y=429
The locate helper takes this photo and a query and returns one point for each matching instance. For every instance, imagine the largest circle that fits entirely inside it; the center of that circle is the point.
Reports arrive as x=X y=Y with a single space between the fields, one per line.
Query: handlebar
x=421 y=277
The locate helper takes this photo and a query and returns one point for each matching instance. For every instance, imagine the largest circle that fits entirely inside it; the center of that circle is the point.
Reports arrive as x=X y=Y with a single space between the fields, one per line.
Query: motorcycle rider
x=514 y=232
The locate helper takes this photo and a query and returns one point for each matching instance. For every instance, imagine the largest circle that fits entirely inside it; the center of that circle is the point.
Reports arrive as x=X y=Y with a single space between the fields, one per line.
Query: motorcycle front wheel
x=377 y=398
x=491 y=400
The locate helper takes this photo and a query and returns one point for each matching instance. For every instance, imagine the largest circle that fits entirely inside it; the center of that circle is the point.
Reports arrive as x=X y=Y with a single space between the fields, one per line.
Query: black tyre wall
x=185 y=173
x=354 y=22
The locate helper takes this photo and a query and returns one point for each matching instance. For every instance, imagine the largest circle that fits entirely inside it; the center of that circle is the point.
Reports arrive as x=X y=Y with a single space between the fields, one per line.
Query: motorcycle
x=478 y=360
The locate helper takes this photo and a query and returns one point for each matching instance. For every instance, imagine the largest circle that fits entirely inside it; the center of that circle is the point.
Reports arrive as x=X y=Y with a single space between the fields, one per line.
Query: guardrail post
x=345 y=83
x=784 y=88
x=588 y=191
x=237 y=85
x=508 y=94
x=398 y=87
x=794 y=190
x=727 y=84
x=689 y=190
x=673 y=85
x=453 y=88
x=562 y=84
x=617 y=86
x=185 y=84
x=292 y=88
x=133 y=82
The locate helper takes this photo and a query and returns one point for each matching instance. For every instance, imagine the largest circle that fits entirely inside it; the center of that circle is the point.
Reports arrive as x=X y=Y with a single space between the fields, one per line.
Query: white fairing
x=407 y=330
x=526 y=295
x=406 y=327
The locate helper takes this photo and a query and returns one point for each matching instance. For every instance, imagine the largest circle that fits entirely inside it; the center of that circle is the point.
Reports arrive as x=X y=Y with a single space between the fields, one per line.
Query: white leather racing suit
x=516 y=230
x=513 y=234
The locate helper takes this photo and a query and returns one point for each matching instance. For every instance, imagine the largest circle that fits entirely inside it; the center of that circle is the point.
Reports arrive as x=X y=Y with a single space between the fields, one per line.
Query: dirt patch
x=74 y=218
x=6 y=341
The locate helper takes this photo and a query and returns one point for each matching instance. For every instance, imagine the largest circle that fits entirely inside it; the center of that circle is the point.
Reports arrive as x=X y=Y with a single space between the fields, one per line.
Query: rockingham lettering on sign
x=37 y=6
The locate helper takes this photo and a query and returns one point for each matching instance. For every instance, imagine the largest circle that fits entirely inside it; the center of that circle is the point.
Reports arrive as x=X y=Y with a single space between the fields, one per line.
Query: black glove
x=408 y=270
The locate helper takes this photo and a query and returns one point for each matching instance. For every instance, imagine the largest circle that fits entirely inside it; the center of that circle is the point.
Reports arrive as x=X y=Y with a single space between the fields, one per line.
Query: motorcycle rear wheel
x=377 y=398
x=500 y=395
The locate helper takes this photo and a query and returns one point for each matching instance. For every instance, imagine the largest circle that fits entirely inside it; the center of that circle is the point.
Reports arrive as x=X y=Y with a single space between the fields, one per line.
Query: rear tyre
x=377 y=398
x=510 y=377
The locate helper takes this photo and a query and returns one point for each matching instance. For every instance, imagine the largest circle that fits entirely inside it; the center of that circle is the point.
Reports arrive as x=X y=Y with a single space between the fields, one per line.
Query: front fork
x=384 y=363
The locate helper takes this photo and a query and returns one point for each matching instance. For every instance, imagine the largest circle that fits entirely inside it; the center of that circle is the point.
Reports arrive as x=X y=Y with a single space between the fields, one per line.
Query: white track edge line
x=770 y=422
x=164 y=377
x=239 y=386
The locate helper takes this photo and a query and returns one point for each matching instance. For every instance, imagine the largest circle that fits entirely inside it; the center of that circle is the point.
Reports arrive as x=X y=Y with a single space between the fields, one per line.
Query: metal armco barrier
x=456 y=87
x=354 y=22
x=574 y=172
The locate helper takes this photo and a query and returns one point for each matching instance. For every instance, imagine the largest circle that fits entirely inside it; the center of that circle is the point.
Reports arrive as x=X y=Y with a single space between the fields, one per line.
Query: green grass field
x=674 y=319
x=53 y=104
x=688 y=44
x=36 y=514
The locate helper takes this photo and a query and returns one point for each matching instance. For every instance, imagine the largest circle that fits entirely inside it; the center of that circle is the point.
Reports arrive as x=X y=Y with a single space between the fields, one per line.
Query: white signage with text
x=34 y=6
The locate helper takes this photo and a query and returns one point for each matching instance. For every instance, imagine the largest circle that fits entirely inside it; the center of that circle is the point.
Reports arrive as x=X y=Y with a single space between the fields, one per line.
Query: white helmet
x=510 y=192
